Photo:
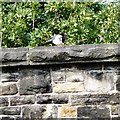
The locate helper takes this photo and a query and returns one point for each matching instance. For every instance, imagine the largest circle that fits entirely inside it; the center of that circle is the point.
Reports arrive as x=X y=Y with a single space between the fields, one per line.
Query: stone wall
x=81 y=82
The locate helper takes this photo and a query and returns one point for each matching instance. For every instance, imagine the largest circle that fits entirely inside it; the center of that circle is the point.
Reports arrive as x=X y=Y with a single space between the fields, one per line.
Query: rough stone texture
x=58 y=75
x=67 y=111
x=83 y=53
x=10 y=111
x=98 y=112
x=80 y=82
x=114 y=66
x=118 y=83
x=74 y=75
x=116 y=118
x=33 y=112
x=60 y=99
x=21 y=100
x=8 y=89
x=14 y=56
x=10 y=77
x=100 y=81
x=68 y=87
x=115 y=110
x=51 y=112
x=35 y=81
x=56 y=99
x=53 y=55
x=95 y=99
x=7 y=118
x=4 y=102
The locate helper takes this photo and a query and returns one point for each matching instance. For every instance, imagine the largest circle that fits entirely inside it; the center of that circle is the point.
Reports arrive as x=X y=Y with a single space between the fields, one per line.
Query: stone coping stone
x=44 y=55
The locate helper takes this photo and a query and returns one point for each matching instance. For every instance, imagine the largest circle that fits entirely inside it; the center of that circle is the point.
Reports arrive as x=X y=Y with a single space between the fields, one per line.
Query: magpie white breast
x=56 y=40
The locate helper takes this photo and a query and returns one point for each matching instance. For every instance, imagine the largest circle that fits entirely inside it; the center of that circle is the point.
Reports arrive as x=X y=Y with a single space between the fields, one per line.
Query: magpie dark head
x=63 y=36
x=55 y=31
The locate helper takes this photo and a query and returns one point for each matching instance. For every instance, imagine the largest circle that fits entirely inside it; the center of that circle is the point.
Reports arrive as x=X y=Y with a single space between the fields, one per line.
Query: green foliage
x=26 y=24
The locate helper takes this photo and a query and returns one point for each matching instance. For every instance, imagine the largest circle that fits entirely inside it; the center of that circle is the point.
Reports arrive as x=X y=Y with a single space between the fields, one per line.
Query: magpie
x=57 y=39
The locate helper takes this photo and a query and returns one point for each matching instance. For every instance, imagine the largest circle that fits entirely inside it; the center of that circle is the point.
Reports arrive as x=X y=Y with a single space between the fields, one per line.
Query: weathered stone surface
x=54 y=111
x=67 y=111
x=89 y=99
x=21 y=100
x=115 y=118
x=55 y=54
x=8 y=89
x=19 y=118
x=61 y=82
x=68 y=87
x=95 y=99
x=44 y=54
x=58 y=75
x=100 y=81
x=4 y=101
x=114 y=66
x=51 y=112
x=47 y=99
x=10 y=111
x=33 y=112
x=118 y=83
x=35 y=81
x=84 y=53
x=74 y=75
x=39 y=112
x=100 y=112
x=7 y=118
x=114 y=98
x=14 y=56
x=10 y=77
x=44 y=99
x=115 y=110
x=60 y=99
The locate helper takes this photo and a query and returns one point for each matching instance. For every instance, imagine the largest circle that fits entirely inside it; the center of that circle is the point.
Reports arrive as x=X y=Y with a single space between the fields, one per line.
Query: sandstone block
x=4 y=102
x=33 y=112
x=10 y=77
x=58 y=75
x=60 y=99
x=114 y=98
x=68 y=87
x=10 y=111
x=8 y=89
x=95 y=112
x=22 y=100
x=99 y=81
x=115 y=66
x=35 y=81
x=74 y=75
x=115 y=109
x=7 y=118
x=89 y=99
x=95 y=99
x=56 y=99
x=115 y=118
x=14 y=56
x=85 y=53
x=67 y=111
x=118 y=83
x=51 y=112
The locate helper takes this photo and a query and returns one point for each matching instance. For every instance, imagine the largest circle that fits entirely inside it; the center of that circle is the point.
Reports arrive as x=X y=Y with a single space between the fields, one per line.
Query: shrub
x=26 y=24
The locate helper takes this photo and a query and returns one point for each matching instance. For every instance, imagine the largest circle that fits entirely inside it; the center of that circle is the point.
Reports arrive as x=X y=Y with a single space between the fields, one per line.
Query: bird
x=56 y=39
